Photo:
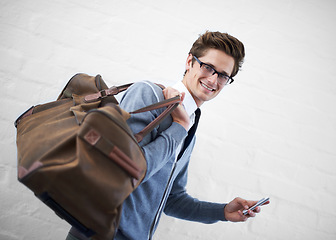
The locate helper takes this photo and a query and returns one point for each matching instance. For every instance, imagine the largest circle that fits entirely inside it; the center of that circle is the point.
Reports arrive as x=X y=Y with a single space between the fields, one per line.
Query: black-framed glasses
x=208 y=71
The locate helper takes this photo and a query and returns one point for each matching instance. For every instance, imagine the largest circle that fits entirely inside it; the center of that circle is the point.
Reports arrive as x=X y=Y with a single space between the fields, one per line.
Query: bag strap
x=106 y=92
x=170 y=103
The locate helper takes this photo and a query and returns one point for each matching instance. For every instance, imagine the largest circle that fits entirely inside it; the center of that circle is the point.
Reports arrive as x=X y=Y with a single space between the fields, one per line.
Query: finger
x=254 y=212
x=244 y=203
x=165 y=93
x=182 y=96
x=251 y=213
x=257 y=209
x=170 y=92
x=242 y=216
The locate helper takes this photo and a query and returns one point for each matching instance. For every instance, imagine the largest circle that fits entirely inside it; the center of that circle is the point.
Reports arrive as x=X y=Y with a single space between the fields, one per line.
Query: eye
x=223 y=76
x=208 y=68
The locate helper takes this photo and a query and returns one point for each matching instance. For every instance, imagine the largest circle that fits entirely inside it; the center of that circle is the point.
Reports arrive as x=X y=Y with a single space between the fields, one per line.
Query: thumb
x=182 y=95
x=242 y=202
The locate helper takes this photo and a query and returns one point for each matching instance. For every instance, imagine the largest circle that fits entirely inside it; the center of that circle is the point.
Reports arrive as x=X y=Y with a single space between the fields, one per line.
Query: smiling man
x=214 y=59
x=205 y=82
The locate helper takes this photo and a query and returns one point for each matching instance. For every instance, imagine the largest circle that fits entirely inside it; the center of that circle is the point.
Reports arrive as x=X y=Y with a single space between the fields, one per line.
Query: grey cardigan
x=164 y=173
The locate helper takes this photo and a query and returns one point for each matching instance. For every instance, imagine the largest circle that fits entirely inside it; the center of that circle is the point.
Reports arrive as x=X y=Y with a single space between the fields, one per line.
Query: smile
x=208 y=88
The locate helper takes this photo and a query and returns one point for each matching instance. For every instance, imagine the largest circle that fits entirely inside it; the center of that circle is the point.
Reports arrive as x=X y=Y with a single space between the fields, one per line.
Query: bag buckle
x=101 y=94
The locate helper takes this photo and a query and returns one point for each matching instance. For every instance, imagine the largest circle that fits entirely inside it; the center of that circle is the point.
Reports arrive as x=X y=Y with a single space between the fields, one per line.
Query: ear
x=189 y=62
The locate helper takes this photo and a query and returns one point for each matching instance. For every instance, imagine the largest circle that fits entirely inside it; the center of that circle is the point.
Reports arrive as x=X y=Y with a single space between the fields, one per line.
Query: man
x=213 y=61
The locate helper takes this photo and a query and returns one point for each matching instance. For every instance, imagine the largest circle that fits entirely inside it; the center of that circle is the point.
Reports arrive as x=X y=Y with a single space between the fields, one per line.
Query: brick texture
x=271 y=133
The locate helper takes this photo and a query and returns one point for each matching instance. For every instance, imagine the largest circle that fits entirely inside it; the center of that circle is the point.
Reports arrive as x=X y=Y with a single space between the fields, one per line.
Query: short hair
x=220 y=41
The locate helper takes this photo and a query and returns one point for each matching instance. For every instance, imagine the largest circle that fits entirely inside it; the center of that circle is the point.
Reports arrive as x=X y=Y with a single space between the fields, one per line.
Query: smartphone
x=259 y=203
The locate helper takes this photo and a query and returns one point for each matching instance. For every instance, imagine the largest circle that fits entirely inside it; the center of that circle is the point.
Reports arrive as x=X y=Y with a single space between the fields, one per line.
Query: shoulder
x=141 y=94
x=146 y=89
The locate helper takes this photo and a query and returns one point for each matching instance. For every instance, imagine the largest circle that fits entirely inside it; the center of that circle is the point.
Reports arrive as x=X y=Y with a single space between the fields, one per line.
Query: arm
x=181 y=205
x=158 y=146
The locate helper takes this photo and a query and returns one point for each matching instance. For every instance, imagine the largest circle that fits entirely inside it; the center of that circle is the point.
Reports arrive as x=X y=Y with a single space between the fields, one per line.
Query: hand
x=233 y=211
x=179 y=115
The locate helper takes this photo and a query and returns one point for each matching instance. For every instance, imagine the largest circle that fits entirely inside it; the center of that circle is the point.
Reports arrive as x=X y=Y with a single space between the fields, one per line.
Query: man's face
x=201 y=87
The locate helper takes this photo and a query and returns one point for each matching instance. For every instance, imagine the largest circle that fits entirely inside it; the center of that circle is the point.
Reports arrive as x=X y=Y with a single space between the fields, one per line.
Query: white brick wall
x=271 y=133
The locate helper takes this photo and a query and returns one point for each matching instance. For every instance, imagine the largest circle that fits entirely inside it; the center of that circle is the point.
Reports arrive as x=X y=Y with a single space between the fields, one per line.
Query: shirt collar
x=189 y=102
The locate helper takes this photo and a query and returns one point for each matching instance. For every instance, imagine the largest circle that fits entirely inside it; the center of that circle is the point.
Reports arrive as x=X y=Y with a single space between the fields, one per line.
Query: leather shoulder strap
x=171 y=104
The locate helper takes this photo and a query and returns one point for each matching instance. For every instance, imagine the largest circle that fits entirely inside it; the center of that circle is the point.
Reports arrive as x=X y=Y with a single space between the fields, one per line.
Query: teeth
x=210 y=89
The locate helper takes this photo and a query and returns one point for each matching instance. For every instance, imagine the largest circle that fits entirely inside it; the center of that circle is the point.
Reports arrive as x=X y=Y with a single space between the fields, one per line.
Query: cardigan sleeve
x=181 y=205
x=160 y=145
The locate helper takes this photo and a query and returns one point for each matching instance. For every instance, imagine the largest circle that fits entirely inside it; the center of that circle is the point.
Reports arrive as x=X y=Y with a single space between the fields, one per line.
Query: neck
x=197 y=101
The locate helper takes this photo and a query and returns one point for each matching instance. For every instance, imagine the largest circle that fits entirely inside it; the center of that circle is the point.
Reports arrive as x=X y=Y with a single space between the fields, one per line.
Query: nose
x=212 y=78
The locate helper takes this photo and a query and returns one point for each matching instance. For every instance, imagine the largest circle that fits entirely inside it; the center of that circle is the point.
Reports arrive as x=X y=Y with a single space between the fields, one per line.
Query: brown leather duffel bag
x=78 y=155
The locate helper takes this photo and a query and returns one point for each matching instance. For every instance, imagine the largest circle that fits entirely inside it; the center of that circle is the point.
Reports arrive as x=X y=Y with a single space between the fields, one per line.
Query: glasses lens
x=207 y=69
x=223 y=79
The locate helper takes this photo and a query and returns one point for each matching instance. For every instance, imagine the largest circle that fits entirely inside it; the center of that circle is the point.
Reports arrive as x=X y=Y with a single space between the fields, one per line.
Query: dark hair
x=220 y=41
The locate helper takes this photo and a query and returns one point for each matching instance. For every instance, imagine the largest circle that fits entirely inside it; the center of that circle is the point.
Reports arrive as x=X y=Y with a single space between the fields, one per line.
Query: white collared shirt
x=189 y=103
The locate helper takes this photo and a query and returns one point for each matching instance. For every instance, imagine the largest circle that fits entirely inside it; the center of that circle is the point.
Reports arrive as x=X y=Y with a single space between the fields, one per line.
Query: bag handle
x=172 y=103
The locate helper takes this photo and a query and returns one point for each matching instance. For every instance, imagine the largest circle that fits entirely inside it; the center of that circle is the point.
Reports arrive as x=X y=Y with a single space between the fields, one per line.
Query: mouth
x=207 y=87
